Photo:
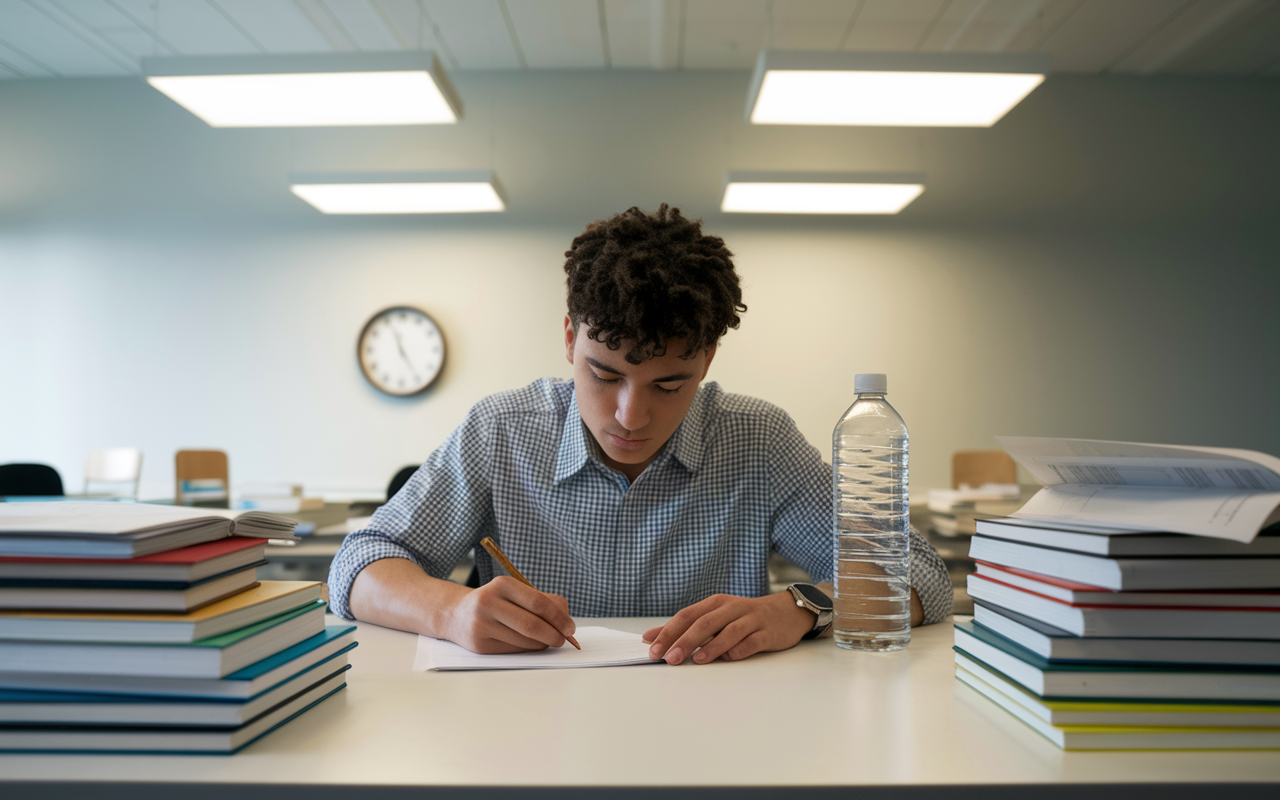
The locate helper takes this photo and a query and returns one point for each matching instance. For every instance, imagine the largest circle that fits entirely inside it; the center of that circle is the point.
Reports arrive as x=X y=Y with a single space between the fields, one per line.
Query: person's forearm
x=396 y=593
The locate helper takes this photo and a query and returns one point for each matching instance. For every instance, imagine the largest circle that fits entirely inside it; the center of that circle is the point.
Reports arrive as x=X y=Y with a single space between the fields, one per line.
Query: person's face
x=632 y=409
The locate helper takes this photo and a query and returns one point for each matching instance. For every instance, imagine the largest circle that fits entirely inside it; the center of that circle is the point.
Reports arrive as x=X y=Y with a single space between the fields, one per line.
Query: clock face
x=401 y=350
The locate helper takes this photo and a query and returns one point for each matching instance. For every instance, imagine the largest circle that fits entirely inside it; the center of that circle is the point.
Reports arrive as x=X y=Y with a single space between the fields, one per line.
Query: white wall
x=1099 y=264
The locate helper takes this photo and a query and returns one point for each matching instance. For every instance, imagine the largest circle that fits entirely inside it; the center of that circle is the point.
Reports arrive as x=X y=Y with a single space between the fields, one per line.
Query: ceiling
x=82 y=38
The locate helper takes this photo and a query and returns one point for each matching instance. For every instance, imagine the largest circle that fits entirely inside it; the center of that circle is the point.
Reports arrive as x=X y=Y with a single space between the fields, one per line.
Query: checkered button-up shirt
x=736 y=481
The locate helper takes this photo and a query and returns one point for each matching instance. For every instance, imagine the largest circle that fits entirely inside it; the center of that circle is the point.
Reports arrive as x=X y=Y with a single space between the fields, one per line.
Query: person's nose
x=632 y=413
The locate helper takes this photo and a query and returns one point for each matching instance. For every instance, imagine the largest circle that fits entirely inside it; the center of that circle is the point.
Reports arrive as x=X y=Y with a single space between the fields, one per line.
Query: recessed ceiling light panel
x=307 y=90
x=819 y=193
x=938 y=89
x=461 y=192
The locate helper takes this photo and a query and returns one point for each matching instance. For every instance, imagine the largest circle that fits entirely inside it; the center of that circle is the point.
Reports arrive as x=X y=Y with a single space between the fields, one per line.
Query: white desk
x=815 y=717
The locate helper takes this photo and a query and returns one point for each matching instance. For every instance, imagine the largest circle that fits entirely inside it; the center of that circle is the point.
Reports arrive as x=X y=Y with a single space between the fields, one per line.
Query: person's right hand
x=507 y=616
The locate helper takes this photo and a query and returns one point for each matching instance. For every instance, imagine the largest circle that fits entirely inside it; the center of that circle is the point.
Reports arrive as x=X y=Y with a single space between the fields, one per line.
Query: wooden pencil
x=492 y=546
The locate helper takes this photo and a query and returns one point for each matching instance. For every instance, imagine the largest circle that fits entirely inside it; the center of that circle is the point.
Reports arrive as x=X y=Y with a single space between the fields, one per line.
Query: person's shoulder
x=719 y=405
x=545 y=396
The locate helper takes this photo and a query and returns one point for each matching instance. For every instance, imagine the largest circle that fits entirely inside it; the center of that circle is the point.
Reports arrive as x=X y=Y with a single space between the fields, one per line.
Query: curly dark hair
x=648 y=278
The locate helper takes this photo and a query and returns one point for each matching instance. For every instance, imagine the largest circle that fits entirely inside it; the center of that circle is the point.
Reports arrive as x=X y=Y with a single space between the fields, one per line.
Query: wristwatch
x=814 y=599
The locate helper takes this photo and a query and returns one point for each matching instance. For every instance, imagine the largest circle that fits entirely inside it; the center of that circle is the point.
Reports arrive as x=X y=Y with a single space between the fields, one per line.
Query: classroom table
x=813 y=721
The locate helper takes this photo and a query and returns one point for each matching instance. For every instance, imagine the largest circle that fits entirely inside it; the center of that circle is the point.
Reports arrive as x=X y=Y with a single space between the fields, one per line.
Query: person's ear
x=711 y=353
x=568 y=338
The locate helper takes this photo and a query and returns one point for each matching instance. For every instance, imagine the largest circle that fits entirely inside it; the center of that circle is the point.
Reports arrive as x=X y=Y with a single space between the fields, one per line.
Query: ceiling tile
x=807 y=24
x=194 y=28
x=1251 y=46
x=556 y=34
x=476 y=33
x=326 y=23
x=722 y=34
x=1102 y=31
x=278 y=25
x=892 y=24
x=363 y=23
x=1181 y=34
x=32 y=41
x=643 y=33
x=411 y=29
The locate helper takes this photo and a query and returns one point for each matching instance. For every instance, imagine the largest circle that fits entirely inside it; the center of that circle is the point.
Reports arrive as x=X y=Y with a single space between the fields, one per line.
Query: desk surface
x=814 y=716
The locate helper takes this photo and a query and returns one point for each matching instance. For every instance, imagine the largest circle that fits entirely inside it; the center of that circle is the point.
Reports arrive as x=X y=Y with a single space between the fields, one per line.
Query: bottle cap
x=870 y=382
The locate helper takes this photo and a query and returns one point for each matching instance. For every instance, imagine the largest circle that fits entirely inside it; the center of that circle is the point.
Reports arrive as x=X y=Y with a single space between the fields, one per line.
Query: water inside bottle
x=873 y=589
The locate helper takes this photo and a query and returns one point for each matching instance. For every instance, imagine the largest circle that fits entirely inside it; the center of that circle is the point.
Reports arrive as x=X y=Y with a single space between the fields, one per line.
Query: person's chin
x=627 y=451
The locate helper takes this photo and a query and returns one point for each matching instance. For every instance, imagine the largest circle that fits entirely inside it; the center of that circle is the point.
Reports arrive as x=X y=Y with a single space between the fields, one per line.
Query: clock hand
x=404 y=355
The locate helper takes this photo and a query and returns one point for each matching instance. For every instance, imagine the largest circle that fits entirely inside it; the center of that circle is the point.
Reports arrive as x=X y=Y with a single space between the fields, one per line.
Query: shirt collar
x=685 y=445
x=572 y=454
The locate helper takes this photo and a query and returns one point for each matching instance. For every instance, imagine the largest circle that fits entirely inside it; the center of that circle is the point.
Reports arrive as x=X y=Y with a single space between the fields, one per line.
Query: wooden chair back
x=976 y=467
x=200 y=465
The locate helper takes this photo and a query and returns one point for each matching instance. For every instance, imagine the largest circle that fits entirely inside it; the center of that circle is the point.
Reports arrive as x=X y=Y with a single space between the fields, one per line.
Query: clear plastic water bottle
x=872 y=522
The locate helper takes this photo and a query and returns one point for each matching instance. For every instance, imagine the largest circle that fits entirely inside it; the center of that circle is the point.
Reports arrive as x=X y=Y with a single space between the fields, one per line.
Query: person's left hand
x=730 y=628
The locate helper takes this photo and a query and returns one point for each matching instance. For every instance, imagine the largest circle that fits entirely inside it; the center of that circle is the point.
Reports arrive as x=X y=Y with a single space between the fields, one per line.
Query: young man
x=632 y=490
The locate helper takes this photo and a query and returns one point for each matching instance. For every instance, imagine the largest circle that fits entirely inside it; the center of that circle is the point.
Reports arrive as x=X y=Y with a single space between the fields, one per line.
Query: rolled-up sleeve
x=801 y=494
x=440 y=515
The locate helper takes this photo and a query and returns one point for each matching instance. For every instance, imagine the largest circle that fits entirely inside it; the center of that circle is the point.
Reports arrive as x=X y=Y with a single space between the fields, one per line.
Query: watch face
x=814 y=595
x=401 y=350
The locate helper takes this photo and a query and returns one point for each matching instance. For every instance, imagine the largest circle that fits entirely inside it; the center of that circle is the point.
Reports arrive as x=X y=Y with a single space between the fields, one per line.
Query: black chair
x=29 y=480
x=399 y=480
x=397 y=483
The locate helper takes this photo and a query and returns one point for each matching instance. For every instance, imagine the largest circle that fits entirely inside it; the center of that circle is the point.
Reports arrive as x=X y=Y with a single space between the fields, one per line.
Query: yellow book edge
x=975 y=682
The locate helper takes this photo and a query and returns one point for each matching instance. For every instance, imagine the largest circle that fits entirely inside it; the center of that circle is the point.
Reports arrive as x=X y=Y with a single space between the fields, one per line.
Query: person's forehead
x=671 y=361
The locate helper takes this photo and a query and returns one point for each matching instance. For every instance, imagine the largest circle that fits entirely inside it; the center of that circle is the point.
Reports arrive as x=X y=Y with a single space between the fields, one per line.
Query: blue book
x=978 y=646
x=1060 y=646
x=122 y=739
x=19 y=708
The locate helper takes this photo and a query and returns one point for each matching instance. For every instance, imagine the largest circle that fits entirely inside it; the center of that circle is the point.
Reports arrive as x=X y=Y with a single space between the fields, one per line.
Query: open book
x=68 y=529
x=1204 y=491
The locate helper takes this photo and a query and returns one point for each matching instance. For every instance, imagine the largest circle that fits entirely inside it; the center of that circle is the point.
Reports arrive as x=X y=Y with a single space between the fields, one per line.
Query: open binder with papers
x=1204 y=491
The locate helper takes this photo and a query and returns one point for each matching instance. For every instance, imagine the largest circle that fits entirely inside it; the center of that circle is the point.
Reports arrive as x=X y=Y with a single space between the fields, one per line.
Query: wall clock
x=401 y=350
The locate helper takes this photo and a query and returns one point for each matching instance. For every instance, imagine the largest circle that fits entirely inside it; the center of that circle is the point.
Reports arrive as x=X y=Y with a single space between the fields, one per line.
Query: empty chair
x=29 y=480
x=201 y=478
x=114 y=466
x=973 y=468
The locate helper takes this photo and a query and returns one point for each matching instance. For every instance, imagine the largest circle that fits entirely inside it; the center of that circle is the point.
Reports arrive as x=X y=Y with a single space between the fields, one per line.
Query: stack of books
x=1106 y=636
x=142 y=628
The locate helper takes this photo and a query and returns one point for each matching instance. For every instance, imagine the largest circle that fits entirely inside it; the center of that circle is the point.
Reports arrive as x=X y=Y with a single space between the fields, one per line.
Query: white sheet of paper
x=1202 y=491
x=601 y=647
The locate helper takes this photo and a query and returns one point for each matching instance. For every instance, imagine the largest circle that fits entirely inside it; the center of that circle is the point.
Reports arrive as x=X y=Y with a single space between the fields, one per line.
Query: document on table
x=1205 y=491
x=601 y=647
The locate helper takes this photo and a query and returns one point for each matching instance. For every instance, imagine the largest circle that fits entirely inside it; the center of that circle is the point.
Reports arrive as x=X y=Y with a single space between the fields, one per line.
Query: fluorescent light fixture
x=819 y=192
x=308 y=90
x=461 y=192
x=911 y=89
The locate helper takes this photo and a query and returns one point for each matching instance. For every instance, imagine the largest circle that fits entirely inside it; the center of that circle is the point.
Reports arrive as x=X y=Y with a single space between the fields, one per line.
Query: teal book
x=165 y=739
x=19 y=709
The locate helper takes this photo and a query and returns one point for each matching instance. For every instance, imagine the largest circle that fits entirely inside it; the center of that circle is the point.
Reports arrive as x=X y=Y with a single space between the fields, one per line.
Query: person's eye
x=602 y=380
x=666 y=390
